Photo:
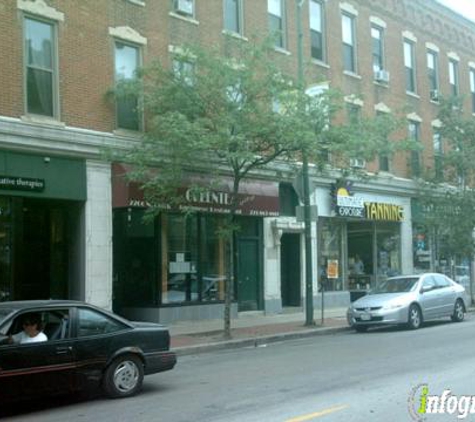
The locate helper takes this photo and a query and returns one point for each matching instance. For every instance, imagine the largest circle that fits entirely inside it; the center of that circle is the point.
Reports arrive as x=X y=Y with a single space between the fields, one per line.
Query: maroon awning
x=256 y=198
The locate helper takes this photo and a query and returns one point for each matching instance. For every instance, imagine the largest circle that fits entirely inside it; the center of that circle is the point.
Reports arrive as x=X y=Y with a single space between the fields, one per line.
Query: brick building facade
x=374 y=51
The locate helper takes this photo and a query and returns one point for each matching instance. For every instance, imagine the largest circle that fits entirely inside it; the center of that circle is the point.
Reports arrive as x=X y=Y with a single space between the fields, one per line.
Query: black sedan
x=79 y=346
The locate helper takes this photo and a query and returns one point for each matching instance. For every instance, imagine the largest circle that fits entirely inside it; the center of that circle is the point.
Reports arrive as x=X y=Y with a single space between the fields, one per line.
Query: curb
x=255 y=341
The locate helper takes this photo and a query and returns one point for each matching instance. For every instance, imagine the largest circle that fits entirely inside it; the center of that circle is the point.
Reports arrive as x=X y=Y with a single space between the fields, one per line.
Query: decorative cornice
x=126 y=33
x=40 y=8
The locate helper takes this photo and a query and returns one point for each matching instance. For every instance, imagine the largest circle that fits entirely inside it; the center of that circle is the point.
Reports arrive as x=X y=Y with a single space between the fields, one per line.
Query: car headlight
x=395 y=305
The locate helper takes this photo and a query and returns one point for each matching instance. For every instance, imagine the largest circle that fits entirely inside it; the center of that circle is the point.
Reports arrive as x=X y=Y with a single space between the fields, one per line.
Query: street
x=340 y=377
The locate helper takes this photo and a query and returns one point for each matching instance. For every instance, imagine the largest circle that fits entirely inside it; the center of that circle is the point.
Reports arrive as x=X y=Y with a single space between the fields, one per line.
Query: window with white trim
x=317 y=30
x=414 y=129
x=454 y=77
x=349 y=45
x=438 y=155
x=433 y=74
x=410 y=66
x=41 y=64
x=233 y=16
x=184 y=7
x=127 y=61
x=276 y=16
x=377 y=39
x=184 y=70
x=472 y=88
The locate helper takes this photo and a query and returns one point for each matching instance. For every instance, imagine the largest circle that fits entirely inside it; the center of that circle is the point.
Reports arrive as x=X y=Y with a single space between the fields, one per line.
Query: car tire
x=123 y=377
x=415 y=317
x=361 y=328
x=459 y=311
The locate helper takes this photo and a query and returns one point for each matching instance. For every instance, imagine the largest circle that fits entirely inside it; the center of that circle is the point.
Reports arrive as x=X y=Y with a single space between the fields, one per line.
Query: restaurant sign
x=347 y=204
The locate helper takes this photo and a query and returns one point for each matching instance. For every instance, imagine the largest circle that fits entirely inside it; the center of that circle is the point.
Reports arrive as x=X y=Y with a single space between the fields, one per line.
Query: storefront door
x=290 y=269
x=248 y=274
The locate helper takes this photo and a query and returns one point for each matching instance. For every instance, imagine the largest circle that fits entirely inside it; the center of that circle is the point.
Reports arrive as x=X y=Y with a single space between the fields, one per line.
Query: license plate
x=366 y=317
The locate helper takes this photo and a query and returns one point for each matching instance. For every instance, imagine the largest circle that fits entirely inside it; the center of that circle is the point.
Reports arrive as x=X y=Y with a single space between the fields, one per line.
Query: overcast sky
x=464 y=7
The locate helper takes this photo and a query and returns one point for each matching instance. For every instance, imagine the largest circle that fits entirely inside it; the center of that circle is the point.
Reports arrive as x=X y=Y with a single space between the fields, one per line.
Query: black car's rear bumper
x=159 y=362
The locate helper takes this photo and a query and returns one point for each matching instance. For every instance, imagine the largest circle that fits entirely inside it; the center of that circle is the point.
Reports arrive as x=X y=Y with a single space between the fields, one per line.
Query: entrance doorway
x=290 y=274
x=35 y=240
x=248 y=278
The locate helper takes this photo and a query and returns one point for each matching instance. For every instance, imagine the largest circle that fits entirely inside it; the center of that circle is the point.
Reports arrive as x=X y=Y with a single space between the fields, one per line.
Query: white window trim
x=471 y=65
x=409 y=36
x=126 y=33
x=353 y=99
x=38 y=118
x=188 y=19
x=40 y=8
x=433 y=47
x=436 y=123
x=241 y=20
x=453 y=56
x=414 y=117
x=378 y=22
x=349 y=8
x=382 y=108
x=137 y=2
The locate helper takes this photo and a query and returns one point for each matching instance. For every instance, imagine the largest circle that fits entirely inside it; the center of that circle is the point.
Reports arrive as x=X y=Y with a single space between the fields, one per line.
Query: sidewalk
x=251 y=329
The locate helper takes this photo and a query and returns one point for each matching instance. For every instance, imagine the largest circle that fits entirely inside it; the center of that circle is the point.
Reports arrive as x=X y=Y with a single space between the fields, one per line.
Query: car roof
x=25 y=304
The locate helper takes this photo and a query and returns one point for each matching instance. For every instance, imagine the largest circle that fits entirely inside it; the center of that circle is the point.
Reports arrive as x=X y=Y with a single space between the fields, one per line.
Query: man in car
x=31 y=331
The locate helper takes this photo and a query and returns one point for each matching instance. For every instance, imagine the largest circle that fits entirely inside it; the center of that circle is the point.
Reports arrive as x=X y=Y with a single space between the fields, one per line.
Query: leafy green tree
x=231 y=110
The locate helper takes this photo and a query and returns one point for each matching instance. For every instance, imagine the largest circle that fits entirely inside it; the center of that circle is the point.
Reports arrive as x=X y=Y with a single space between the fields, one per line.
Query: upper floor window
x=410 y=66
x=317 y=35
x=349 y=45
x=184 y=71
x=184 y=7
x=40 y=72
x=377 y=38
x=433 y=74
x=438 y=154
x=472 y=88
x=233 y=16
x=275 y=9
x=127 y=60
x=454 y=77
x=414 y=135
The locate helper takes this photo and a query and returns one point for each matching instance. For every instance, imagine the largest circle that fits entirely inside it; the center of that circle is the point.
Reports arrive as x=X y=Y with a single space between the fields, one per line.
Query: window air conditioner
x=184 y=6
x=357 y=163
x=434 y=95
x=381 y=76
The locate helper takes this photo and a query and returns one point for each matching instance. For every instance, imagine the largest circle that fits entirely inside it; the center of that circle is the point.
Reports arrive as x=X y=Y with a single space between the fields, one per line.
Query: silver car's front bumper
x=380 y=316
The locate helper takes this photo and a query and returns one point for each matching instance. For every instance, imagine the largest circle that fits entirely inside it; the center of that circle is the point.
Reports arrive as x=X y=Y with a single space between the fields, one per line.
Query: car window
x=441 y=281
x=56 y=324
x=91 y=322
x=429 y=283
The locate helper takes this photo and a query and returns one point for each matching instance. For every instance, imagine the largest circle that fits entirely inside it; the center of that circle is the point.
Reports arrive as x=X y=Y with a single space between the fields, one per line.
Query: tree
x=233 y=109
x=447 y=191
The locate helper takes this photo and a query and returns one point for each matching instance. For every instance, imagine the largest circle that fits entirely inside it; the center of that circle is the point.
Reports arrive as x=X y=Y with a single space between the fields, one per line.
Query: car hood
x=380 y=299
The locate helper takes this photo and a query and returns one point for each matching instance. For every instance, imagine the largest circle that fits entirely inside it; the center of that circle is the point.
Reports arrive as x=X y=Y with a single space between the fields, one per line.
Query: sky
x=464 y=7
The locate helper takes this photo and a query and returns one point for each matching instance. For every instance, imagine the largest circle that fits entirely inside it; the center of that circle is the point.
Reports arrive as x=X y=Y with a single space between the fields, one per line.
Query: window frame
x=351 y=48
x=415 y=135
x=471 y=75
x=181 y=13
x=454 y=77
x=55 y=99
x=438 y=147
x=410 y=71
x=381 y=56
x=281 y=42
x=433 y=73
x=138 y=48
x=239 y=17
x=321 y=33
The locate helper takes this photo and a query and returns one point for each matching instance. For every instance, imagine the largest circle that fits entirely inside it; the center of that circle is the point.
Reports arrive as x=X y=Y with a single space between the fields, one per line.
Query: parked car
x=409 y=300
x=86 y=346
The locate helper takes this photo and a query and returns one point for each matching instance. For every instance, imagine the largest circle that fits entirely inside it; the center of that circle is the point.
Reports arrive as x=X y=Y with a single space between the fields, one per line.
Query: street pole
x=309 y=321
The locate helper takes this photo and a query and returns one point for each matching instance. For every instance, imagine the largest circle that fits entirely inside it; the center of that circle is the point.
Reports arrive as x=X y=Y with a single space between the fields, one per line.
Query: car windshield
x=396 y=285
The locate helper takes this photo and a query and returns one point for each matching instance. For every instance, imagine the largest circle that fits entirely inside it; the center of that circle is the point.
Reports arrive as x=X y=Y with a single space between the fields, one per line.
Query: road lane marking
x=317 y=414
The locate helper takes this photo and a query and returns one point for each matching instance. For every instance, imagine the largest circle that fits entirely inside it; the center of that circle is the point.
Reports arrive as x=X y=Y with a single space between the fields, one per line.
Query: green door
x=290 y=269
x=248 y=274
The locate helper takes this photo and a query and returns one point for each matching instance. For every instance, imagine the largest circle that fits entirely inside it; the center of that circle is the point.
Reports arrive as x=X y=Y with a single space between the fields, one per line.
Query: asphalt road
x=342 y=377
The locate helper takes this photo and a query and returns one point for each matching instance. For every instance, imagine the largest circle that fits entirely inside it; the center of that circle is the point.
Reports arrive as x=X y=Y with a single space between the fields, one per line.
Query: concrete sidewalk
x=252 y=329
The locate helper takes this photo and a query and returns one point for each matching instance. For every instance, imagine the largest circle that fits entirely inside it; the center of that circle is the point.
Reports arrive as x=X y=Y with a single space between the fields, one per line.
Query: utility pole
x=309 y=321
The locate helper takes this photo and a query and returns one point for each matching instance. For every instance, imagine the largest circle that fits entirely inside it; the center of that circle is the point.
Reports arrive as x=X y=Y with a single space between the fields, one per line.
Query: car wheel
x=459 y=311
x=361 y=328
x=123 y=377
x=415 y=317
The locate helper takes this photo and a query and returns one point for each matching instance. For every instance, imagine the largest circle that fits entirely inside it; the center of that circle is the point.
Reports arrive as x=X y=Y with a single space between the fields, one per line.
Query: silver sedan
x=409 y=300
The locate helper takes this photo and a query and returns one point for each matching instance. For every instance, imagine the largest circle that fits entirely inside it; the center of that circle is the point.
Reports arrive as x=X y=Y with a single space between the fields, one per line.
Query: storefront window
x=388 y=250
x=421 y=249
x=330 y=265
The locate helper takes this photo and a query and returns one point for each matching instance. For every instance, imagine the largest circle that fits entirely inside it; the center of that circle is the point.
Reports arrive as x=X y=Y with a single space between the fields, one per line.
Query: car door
x=37 y=368
x=96 y=336
x=447 y=295
x=428 y=297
